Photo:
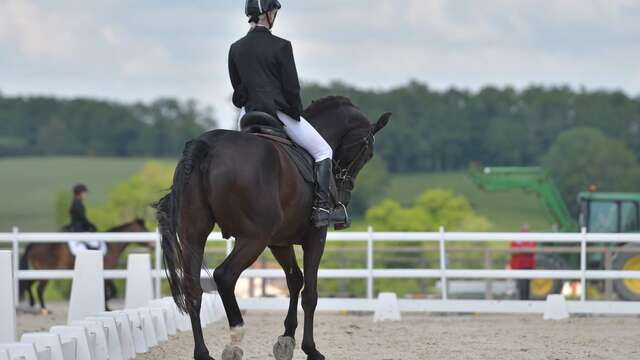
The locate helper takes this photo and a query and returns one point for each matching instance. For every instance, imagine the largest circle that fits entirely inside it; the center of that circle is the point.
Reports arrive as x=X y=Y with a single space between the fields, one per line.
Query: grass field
x=28 y=187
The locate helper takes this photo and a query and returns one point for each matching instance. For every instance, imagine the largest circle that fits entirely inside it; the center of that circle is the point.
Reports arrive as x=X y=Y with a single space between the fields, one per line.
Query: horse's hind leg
x=110 y=292
x=245 y=253
x=286 y=256
x=195 y=235
x=28 y=284
x=42 y=285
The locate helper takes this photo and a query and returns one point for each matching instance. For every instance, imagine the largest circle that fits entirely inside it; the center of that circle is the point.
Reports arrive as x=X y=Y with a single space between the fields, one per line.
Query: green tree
x=132 y=198
x=372 y=181
x=583 y=157
x=432 y=209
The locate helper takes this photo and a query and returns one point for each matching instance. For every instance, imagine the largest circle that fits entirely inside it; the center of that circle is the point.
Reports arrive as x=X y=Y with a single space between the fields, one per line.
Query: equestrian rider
x=80 y=223
x=264 y=78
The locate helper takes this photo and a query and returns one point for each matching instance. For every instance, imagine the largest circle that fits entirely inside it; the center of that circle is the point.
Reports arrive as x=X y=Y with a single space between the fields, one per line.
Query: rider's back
x=263 y=74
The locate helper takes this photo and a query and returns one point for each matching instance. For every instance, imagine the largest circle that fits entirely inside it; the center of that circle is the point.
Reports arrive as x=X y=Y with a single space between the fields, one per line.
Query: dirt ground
x=417 y=336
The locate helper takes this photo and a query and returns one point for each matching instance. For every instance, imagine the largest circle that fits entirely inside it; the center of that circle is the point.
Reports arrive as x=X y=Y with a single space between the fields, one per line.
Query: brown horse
x=57 y=256
x=250 y=187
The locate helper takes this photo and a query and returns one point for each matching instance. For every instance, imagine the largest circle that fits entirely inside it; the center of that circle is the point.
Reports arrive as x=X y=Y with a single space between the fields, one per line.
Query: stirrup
x=340 y=218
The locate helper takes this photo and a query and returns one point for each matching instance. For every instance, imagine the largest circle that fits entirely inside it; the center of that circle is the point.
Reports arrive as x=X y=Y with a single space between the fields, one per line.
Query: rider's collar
x=260 y=27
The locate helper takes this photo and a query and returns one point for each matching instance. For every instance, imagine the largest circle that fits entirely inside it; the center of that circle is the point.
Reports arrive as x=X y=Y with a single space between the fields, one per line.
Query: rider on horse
x=80 y=223
x=264 y=78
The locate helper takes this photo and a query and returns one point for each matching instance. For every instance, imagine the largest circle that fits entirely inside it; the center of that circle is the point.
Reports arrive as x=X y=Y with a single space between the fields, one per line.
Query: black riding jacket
x=79 y=221
x=263 y=74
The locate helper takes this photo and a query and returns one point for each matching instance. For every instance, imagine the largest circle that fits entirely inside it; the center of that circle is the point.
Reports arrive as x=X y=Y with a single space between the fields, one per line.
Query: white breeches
x=77 y=247
x=305 y=135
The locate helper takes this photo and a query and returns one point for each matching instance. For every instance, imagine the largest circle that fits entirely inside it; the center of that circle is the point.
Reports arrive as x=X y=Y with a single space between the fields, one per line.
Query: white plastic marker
x=139 y=289
x=48 y=341
x=138 y=332
x=7 y=306
x=101 y=350
x=87 y=290
x=116 y=352
x=169 y=313
x=387 y=308
x=20 y=351
x=84 y=344
x=555 y=308
x=125 y=331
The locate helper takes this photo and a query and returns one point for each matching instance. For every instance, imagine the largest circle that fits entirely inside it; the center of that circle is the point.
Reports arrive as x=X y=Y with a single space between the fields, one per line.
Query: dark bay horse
x=249 y=187
x=57 y=256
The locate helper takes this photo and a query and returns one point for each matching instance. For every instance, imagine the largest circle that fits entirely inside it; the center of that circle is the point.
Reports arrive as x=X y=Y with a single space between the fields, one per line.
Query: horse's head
x=350 y=134
x=354 y=151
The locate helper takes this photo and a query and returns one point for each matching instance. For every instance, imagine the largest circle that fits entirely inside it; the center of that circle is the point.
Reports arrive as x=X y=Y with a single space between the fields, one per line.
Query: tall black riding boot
x=322 y=204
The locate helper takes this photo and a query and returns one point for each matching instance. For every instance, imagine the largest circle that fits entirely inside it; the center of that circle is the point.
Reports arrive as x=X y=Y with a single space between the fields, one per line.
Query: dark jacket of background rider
x=79 y=221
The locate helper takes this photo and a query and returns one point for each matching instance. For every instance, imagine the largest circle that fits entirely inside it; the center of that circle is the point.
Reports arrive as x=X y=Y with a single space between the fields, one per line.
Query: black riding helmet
x=255 y=8
x=80 y=188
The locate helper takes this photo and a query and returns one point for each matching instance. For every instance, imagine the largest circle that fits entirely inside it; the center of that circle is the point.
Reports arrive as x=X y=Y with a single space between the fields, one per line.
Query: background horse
x=57 y=256
x=250 y=187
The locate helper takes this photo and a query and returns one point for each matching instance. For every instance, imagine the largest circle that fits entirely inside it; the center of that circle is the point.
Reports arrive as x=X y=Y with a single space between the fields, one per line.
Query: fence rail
x=442 y=238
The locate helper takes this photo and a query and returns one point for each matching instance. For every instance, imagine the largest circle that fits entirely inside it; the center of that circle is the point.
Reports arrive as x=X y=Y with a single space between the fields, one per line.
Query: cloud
x=140 y=50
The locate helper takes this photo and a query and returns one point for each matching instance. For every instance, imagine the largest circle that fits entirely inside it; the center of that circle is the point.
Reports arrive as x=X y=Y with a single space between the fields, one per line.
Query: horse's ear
x=382 y=122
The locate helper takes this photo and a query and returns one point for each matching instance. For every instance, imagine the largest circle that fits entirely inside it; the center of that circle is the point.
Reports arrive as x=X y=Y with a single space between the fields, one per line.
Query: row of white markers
x=113 y=335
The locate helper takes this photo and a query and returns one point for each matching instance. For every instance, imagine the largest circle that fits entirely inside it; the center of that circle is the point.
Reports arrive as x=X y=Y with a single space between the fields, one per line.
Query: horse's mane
x=326 y=103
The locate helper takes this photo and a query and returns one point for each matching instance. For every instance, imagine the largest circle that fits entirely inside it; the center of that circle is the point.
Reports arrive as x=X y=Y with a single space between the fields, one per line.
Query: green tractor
x=600 y=212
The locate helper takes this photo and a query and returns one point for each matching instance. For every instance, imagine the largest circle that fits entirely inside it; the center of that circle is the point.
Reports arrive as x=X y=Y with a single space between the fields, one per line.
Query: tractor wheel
x=540 y=288
x=627 y=289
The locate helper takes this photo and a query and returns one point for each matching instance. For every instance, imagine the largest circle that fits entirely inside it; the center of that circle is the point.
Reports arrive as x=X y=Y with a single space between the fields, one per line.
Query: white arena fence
x=442 y=273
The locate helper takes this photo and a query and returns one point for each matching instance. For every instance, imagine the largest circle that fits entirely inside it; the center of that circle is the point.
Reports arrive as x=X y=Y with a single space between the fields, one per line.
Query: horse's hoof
x=232 y=353
x=45 y=312
x=283 y=349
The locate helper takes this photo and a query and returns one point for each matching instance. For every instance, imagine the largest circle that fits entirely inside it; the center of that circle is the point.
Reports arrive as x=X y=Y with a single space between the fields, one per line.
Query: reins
x=344 y=175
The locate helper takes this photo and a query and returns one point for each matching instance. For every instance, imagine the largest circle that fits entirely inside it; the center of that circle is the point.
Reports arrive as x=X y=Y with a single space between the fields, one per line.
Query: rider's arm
x=289 y=81
x=239 y=96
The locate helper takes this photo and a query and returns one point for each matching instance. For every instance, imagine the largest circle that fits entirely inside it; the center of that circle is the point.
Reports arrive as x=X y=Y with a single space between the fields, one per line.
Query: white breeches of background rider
x=305 y=135
x=77 y=247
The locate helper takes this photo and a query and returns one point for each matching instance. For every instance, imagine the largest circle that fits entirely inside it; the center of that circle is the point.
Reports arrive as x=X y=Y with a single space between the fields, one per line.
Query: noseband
x=344 y=174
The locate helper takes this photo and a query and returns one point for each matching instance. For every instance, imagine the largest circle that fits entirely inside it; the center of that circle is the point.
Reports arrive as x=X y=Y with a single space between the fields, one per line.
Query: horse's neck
x=331 y=129
x=114 y=250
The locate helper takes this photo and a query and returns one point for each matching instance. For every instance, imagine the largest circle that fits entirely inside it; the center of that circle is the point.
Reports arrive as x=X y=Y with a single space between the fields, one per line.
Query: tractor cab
x=602 y=212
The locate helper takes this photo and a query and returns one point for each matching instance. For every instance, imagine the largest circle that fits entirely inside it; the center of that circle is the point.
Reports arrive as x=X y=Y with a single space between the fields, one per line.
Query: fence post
x=583 y=264
x=443 y=266
x=229 y=246
x=158 y=273
x=16 y=264
x=370 y=263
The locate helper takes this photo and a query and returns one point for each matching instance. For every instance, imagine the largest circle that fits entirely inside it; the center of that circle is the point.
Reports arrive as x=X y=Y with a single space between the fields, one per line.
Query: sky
x=139 y=50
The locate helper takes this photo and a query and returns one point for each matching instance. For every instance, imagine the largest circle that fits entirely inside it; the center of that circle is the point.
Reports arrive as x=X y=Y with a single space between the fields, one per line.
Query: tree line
x=447 y=130
x=431 y=131
x=52 y=126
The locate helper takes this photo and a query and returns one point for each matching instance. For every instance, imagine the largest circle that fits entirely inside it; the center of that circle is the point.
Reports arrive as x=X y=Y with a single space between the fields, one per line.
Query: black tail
x=24 y=265
x=167 y=213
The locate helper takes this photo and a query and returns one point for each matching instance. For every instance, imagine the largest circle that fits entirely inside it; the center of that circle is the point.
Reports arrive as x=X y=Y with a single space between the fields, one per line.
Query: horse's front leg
x=313 y=250
x=286 y=256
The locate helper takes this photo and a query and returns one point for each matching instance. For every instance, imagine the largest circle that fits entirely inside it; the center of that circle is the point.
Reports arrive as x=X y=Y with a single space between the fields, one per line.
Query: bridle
x=344 y=174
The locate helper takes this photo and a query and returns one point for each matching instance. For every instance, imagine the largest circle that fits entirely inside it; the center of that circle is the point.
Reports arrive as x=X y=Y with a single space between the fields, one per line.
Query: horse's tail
x=24 y=265
x=167 y=214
